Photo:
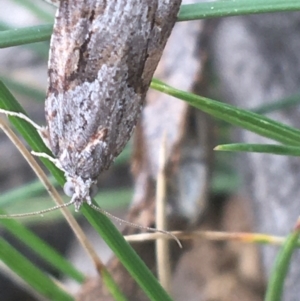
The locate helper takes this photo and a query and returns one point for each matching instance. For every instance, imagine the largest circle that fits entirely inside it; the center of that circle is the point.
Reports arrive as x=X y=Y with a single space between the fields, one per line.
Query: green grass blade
x=253 y=122
x=281 y=104
x=8 y=102
x=23 y=89
x=26 y=35
x=132 y=262
x=221 y=8
x=225 y=183
x=187 y=12
x=41 y=248
x=113 y=287
x=280 y=269
x=260 y=148
x=30 y=274
x=14 y=199
x=22 y=193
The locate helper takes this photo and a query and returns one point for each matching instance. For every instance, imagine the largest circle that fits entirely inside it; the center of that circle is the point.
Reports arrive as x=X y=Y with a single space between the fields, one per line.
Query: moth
x=103 y=54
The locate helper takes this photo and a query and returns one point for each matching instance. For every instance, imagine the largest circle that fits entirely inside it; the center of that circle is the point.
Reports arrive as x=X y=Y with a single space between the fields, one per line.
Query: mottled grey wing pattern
x=103 y=55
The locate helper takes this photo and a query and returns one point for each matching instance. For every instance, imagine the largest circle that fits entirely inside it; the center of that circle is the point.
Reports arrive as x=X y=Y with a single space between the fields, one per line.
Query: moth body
x=102 y=57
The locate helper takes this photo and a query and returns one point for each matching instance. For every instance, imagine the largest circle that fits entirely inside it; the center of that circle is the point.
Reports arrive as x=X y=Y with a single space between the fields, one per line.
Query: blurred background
x=251 y=62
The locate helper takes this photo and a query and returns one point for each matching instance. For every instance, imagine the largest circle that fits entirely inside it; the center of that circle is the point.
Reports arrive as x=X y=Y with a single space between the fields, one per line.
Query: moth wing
x=102 y=57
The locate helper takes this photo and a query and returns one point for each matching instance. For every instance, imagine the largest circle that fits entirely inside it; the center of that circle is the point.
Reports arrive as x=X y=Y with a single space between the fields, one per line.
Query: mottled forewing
x=102 y=58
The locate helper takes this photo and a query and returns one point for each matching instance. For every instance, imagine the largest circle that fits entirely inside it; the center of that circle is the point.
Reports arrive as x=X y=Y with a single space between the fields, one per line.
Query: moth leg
x=24 y=117
x=41 y=130
x=46 y=156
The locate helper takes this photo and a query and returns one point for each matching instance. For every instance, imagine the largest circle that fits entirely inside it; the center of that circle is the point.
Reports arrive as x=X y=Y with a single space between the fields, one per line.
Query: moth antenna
x=21 y=215
x=135 y=225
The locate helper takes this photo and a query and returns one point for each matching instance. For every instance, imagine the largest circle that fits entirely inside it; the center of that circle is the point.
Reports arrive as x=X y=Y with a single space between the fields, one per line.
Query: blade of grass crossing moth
x=28 y=132
x=128 y=257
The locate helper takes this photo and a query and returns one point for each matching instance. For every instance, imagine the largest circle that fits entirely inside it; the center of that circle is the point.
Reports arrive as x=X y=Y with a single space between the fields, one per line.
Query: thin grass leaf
x=281 y=266
x=225 y=183
x=41 y=248
x=221 y=8
x=131 y=261
x=31 y=274
x=260 y=148
x=14 y=200
x=28 y=132
x=187 y=12
x=41 y=49
x=278 y=105
x=23 y=89
x=22 y=193
x=250 y=121
x=26 y=35
x=113 y=288
x=109 y=200
x=4 y=26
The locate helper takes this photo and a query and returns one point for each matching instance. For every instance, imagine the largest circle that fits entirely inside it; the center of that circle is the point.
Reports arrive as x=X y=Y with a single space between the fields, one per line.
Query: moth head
x=80 y=190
